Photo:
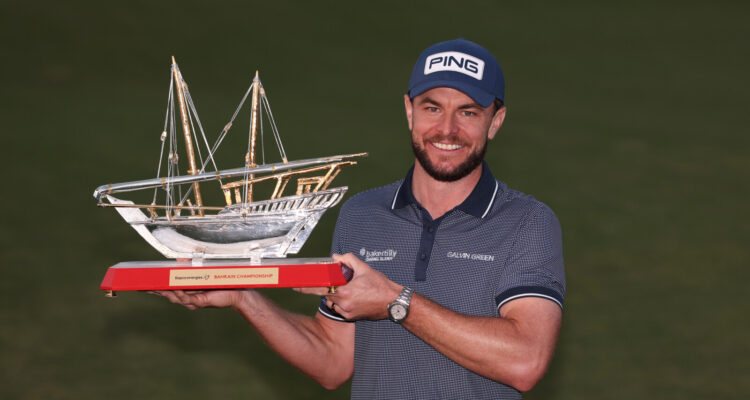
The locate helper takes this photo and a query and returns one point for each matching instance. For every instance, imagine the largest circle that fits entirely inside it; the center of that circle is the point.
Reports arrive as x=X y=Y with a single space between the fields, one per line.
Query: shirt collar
x=477 y=204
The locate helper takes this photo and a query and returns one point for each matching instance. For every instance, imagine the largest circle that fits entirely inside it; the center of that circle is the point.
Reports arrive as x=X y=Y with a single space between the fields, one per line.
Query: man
x=458 y=281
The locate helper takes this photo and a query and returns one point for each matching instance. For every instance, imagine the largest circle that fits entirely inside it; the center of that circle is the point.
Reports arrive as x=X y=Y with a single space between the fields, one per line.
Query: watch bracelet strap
x=405 y=296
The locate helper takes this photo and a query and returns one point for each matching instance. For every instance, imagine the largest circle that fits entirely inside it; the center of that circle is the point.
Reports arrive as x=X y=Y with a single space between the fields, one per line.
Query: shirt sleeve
x=534 y=267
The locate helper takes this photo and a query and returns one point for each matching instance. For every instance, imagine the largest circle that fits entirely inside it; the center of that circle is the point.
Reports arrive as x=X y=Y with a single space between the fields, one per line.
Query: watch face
x=398 y=312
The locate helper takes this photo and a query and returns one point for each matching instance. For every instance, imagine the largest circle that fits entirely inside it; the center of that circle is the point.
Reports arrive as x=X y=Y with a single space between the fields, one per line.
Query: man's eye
x=432 y=109
x=469 y=113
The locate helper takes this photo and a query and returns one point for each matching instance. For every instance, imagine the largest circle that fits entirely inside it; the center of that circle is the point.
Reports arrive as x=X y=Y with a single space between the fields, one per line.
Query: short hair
x=498 y=105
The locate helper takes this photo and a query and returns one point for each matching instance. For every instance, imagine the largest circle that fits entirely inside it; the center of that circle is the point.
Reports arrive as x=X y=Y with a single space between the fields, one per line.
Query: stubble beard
x=461 y=171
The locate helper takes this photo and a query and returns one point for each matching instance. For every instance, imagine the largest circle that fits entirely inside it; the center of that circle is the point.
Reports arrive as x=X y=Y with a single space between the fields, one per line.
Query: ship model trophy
x=242 y=243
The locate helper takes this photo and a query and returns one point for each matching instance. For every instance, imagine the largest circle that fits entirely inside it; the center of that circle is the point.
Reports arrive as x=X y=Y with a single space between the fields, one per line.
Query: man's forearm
x=514 y=348
x=515 y=351
x=320 y=348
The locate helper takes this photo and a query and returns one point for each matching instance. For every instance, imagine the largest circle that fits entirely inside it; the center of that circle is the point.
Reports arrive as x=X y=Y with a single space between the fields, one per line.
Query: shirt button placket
x=425 y=247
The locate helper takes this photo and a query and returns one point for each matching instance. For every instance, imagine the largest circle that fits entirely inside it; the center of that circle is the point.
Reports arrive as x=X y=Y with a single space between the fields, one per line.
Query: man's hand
x=194 y=299
x=366 y=296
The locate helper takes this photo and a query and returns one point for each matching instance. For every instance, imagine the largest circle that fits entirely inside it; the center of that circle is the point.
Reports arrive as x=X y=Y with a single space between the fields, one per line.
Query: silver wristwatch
x=399 y=309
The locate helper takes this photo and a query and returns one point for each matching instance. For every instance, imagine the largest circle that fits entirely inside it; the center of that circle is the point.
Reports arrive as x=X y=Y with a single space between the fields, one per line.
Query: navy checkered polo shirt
x=497 y=246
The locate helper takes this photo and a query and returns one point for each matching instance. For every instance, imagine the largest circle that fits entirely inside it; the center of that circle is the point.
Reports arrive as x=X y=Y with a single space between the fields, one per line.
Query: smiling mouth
x=446 y=146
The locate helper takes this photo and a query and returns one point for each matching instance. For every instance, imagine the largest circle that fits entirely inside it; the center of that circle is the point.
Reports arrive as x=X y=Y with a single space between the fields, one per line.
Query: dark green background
x=629 y=120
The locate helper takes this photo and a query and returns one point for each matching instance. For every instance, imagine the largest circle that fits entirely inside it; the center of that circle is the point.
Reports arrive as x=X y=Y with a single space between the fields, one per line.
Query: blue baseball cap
x=462 y=65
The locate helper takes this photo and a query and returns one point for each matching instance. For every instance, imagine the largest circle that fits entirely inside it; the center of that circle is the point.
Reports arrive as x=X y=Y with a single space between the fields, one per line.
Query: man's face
x=449 y=131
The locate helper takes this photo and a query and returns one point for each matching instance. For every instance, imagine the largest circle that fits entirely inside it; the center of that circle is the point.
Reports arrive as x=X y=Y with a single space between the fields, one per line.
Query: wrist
x=242 y=300
x=398 y=310
x=391 y=295
x=394 y=291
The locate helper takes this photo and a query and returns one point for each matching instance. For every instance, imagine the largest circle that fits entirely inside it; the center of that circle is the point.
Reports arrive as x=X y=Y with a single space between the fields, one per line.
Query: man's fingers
x=178 y=297
x=318 y=291
x=344 y=258
x=183 y=297
x=169 y=295
x=351 y=261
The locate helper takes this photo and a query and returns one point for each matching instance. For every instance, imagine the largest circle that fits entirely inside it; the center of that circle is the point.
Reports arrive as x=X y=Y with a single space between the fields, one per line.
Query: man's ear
x=497 y=121
x=408 y=107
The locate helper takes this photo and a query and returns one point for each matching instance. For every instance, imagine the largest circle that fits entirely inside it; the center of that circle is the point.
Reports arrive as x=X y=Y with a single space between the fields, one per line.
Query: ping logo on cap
x=455 y=61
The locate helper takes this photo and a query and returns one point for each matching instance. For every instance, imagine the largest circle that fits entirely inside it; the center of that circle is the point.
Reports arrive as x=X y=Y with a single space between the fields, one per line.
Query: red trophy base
x=223 y=274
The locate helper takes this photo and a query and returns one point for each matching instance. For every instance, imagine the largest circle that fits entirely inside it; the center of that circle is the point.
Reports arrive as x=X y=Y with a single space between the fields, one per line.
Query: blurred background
x=629 y=119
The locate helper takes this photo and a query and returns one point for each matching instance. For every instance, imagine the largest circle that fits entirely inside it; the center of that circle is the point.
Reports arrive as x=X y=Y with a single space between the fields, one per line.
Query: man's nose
x=448 y=124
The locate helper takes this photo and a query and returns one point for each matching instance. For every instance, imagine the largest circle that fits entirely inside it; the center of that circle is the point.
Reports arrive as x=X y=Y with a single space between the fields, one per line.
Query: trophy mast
x=250 y=156
x=188 y=136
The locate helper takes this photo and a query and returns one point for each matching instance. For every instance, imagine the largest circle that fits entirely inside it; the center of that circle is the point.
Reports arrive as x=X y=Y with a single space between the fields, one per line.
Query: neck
x=439 y=197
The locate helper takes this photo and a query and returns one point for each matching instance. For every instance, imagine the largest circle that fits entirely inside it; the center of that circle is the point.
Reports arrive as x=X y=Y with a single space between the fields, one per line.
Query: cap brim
x=483 y=98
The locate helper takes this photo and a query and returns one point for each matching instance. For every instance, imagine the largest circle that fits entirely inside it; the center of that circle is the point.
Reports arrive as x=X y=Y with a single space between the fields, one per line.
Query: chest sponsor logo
x=456 y=62
x=377 y=255
x=470 y=256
